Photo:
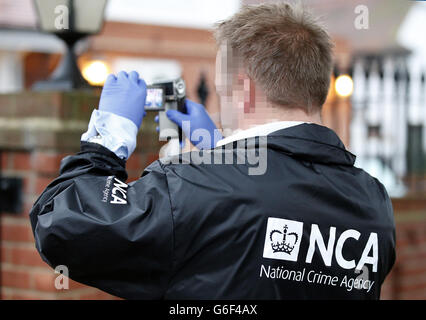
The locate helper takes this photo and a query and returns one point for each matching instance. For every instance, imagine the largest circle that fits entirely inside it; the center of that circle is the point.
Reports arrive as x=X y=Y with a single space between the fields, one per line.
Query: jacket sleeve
x=113 y=236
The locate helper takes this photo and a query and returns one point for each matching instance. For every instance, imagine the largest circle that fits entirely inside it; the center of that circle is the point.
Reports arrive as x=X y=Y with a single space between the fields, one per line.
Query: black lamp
x=69 y=20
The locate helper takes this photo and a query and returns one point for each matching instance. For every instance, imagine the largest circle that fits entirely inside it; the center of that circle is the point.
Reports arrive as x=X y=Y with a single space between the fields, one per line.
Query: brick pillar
x=408 y=277
x=36 y=131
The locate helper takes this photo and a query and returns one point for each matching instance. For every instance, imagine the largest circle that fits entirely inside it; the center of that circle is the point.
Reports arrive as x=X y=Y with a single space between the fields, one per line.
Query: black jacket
x=311 y=227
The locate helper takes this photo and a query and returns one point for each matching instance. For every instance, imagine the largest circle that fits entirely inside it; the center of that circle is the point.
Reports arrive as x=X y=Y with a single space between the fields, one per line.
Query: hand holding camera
x=125 y=96
x=196 y=119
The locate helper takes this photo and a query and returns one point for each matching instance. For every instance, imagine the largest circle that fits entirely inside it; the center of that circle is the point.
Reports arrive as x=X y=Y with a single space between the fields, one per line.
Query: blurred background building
x=376 y=105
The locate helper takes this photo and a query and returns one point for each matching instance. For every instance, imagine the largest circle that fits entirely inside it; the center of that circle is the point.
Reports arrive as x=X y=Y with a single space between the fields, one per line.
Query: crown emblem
x=283 y=246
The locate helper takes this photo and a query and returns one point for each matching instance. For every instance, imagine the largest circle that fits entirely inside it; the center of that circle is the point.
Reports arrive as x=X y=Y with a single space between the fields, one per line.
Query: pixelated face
x=232 y=90
x=239 y=96
x=224 y=86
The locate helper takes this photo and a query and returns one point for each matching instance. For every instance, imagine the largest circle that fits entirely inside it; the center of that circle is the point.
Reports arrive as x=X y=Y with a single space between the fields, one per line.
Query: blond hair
x=284 y=50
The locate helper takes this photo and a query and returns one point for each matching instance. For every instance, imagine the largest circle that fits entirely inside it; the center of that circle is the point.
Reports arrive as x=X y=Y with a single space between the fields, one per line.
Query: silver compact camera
x=167 y=96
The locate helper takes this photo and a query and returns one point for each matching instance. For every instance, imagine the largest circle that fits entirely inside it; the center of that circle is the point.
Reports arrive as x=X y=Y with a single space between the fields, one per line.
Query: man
x=300 y=223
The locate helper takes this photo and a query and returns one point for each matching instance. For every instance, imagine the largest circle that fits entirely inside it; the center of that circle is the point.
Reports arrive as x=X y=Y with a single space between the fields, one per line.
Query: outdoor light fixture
x=344 y=86
x=95 y=72
x=69 y=20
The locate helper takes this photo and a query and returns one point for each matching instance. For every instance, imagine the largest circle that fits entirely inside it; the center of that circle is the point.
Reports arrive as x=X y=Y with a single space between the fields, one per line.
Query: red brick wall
x=23 y=273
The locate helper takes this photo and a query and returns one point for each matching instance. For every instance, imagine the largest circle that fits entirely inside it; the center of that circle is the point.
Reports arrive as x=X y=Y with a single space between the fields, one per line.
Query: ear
x=249 y=88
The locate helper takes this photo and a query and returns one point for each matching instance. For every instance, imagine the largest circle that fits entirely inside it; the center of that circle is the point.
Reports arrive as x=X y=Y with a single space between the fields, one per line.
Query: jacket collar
x=258 y=131
x=310 y=142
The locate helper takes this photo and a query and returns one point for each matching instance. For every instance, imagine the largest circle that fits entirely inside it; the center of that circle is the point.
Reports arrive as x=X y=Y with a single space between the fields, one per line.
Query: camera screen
x=154 y=99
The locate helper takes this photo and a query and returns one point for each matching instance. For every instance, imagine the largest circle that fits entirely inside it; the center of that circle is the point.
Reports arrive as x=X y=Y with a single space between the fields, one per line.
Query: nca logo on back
x=283 y=238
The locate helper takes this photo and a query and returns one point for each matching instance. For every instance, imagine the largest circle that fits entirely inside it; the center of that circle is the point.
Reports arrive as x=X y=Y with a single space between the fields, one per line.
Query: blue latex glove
x=198 y=118
x=124 y=96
